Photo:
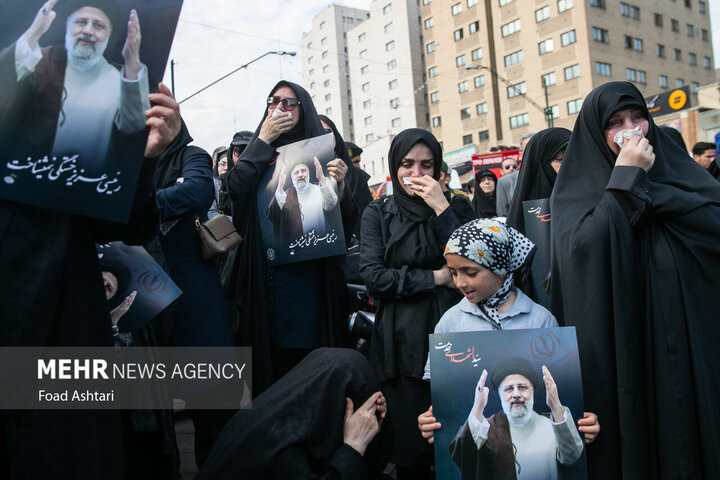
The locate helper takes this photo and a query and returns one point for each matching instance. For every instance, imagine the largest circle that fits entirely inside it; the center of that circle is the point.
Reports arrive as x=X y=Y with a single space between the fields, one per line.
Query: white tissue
x=277 y=111
x=623 y=135
x=407 y=181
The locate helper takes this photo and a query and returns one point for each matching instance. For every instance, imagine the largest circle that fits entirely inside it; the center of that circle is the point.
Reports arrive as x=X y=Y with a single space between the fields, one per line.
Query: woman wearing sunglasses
x=286 y=311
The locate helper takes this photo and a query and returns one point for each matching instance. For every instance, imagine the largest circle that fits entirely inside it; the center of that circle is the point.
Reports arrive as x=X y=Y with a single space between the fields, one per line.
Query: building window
x=693 y=59
x=471 y=3
x=434 y=97
x=663 y=81
x=436 y=121
x=631 y=11
x=460 y=60
x=395 y=122
x=430 y=47
x=597 y=3
x=548 y=79
x=600 y=35
x=326 y=69
x=674 y=25
x=323 y=41
x=362 y=37
x=328 y=111
x=467 y=139
x=706 y=62
x=311 y=59
x=326 y=83
x=322 y=25
x=542 y=14
x=476 y=54
x=688 y=4
x=456 y=9
x=463 y=86
x=658 y=19
x=564 y=5
x=391 y=64
x=366 y=86
x=636 y=75
x=555 y=109
x=505 y=2
x=465 y=113
x=641 y=76
x=474 y=27
x=432 y=72
x=364 y=69
x=690 y=30
x=603 y=69
x=484 y=136
x=567 y=38
x=389 y=27
x=480 y=81
x=368 y=120
x=660 y=50
x=638 y=44
x=363 y=53
x=428 y=23
x=704 y=34
x=481 y=108
x=517 y=89
x=701 y=7
x=392 y=84
x=513 y=58
x=311 y=72
x=387 y=9
x=546 y=46
x=694 y=87
x=327 y=97
x=309 y=45
x=573 y=106
x=679 y=83
x=425 y=2
x=677 y=54
x=519 y=120
x=369 y=138
x=458 y=34
x=367 y=104
x=394 y=103
x=510 y=28
x=390 y=45
x=312 y=85
x=572 y=72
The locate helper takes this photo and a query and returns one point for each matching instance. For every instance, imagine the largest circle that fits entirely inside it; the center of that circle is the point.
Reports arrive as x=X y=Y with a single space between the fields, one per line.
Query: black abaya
x=635 y=270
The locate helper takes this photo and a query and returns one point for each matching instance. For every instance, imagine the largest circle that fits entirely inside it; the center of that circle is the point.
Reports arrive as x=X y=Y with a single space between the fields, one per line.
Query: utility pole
x=548 y=110
x=272 y=52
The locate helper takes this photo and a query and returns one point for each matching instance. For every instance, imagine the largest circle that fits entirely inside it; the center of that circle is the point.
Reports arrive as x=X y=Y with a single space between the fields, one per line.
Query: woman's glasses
x=288 y=103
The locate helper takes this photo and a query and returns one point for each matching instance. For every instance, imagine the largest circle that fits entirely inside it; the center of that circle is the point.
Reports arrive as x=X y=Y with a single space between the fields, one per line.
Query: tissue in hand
x=277 y=111
x=622 y=135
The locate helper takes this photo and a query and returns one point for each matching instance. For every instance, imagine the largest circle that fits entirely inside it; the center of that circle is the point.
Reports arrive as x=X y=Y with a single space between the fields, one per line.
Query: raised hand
x=280 y=194
x=117 y=313
x=41 y=23
x=552 y=397
x=481 y=397
x=636 y=152
x=337 y=170
x=362 y=426
x=319 y=172
x=131 y=49
x=164 y=121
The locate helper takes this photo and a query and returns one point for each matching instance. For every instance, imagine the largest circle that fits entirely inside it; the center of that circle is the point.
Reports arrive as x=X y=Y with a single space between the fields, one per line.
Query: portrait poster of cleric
x=74 y=82
x=299 y=204
x=136 y=286
x=508 y=402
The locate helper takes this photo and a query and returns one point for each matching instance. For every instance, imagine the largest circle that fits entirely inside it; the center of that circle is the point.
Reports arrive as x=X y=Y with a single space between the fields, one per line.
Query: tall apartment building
x=486 y=60
x=325 y=64
x=387 y=79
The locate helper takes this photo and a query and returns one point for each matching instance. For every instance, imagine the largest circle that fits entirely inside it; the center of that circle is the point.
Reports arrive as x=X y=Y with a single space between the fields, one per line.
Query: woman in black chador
x=485 y=201
x=402 y=264
x=636 y=258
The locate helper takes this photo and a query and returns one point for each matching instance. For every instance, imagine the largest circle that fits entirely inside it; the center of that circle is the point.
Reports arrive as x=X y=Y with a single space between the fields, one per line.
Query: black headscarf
x=639 y=296
x=536 y=177
x=484 y=205
x=296 y=426
x=170 y=162
x=413 y=206
x=675 y=135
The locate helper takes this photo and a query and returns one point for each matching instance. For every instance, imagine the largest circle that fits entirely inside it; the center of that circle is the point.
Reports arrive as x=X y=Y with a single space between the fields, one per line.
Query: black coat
x=635 y=263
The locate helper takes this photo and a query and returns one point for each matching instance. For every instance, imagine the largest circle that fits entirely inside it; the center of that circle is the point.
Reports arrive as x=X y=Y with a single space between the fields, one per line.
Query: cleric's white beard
x=518 y=416
x=300 y=186
x=84 y=57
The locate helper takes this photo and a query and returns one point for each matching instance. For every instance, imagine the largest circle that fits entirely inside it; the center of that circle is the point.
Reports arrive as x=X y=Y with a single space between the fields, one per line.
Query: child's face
x=475 y=281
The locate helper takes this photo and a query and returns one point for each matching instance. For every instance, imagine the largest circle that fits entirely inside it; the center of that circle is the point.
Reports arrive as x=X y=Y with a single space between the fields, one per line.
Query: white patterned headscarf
x=497 y=247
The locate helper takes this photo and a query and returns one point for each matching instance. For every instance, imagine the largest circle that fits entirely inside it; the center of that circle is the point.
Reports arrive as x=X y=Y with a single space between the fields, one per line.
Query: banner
x=74 y=84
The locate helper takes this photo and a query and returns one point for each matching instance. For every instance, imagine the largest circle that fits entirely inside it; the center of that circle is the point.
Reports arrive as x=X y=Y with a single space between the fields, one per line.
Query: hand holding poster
x=508 y=402
x=301 y=204
x=74 y=80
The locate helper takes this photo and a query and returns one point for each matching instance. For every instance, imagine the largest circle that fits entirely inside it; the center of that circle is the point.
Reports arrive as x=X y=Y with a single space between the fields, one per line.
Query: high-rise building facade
x=325 y=64
x=488 y=61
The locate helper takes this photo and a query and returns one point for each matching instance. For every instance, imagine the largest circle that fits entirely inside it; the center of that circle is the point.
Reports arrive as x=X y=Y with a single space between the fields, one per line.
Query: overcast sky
x=216 y=36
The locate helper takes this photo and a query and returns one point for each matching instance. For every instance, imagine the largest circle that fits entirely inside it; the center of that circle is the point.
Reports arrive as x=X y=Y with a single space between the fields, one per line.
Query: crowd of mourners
x=635 y=257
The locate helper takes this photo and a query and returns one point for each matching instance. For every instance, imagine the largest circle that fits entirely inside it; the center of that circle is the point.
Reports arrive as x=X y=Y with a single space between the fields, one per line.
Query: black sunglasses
x=288 y=103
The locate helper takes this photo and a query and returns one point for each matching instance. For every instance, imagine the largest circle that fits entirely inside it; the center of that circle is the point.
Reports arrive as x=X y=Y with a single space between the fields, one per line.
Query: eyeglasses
x=510 y=166
x=238 y=149
x=288 y=103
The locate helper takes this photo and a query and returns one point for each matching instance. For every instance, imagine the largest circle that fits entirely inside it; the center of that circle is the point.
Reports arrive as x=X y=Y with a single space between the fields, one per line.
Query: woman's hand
x=427 y=425
x=590 y=426
x=443 y=278
x=164 y=121
x=362 y=426
x=117 y=313
x=274 y=126
x=429 y=190
x=636 y=152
